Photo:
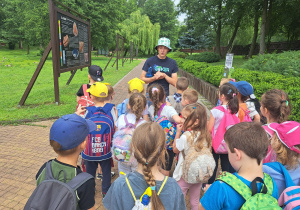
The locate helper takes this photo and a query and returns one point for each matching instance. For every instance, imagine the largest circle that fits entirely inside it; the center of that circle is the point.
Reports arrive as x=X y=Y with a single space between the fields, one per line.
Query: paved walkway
x=24 y=148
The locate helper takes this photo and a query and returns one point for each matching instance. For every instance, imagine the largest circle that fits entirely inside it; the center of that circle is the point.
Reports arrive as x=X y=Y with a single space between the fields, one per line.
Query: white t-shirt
x=130 y=118
x=182 y=145
x=218 y=115
x=251 y=108
x=167 y=111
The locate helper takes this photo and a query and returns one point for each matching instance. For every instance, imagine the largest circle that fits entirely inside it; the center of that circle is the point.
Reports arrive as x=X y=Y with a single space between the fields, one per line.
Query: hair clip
x=286 y=102
x=233 y=95
x=153 y=187
x=229 y=91
x=146 y=163
x=154 y=89
x=194 y=107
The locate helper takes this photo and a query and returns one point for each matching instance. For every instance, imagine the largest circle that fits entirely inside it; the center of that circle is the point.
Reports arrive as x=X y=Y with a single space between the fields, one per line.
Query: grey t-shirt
x=167 y=66
x=119 y=195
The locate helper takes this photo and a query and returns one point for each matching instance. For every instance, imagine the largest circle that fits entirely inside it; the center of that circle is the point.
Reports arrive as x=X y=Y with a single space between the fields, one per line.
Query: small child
x=189 y=96
x=136 y=85
x=159 y=108
x=286 y=145
x=136 y=107
x=245 y=92
x=230 y=103
x=95 y=75
x=68 y=136
x=149 y=151
x=223 y=81
x=196 y=121
x=247 y=144
x=98 y=149
x=276 y=107
x=175 y=100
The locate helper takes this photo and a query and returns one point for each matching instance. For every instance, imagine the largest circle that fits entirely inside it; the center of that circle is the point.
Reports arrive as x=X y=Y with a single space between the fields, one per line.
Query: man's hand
x=159 y=75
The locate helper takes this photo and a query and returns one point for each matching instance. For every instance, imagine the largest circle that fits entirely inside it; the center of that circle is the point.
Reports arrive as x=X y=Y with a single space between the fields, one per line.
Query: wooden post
x=35 y=75
x=72 y=75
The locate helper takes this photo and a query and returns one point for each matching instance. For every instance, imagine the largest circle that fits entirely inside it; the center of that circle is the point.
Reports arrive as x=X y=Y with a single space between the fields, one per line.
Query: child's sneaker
x=99 y=176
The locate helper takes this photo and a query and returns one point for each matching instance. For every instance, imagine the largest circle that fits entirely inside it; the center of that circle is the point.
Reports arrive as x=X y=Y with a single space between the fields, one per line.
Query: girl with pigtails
x=158 y=110
x=126 y=124
x=229 y=111
x=147 y=187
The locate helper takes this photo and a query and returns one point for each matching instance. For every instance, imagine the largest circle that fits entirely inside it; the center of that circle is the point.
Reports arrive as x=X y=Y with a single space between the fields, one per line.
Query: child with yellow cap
x=136 y=85
x=98 y=148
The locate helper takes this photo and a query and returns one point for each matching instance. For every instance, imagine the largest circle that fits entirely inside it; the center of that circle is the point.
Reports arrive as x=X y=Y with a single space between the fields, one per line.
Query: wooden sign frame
x=60 y=58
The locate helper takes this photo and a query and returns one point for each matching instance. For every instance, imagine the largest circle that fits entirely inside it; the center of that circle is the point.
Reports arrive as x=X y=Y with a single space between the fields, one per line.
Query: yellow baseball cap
x=98 y=89
x=136 y=84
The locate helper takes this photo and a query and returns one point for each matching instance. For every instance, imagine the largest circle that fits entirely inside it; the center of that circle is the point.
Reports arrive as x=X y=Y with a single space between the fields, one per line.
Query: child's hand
x=179 y=127
x=80 y=109
x=168 y=103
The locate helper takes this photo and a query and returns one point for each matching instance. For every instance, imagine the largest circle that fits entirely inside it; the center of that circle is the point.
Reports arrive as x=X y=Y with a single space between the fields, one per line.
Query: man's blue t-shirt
x=167 y=66
x=221 y=196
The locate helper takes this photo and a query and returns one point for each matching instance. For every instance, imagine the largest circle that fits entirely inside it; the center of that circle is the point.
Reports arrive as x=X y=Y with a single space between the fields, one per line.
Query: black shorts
x=169 y=160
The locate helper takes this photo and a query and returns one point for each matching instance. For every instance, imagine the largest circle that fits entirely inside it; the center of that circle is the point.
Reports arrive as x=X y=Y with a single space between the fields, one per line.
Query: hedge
x=261 y=81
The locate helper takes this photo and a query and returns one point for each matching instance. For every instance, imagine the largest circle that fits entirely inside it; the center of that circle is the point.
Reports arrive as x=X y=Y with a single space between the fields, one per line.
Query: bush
x=209 y=57
x=261 y=81
x=286 y=63
x=178 y=54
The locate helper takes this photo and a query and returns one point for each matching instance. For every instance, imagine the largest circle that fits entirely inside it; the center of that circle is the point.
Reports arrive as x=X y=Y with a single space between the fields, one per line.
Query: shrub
x=179 y=54
x=286 y=63
x=209 y=57
x=261 y=81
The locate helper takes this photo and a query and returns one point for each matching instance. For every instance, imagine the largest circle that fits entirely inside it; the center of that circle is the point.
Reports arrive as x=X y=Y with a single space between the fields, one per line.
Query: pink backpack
x=271 y=156
x=247 y=117
x=227 y=121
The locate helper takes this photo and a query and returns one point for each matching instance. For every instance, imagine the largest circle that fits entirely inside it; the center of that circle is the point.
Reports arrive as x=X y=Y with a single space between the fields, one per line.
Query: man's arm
x=147 y=80
x=172 y=80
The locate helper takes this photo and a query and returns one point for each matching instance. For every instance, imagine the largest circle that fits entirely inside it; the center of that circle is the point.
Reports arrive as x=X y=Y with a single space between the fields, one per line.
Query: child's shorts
x=169 y=160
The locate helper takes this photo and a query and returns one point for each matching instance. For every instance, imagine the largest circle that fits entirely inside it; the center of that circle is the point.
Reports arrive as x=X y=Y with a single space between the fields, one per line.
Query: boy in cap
x=95 y=75
x=98 y=148
x=163 y=70
x=68 y=137
x=245 y=93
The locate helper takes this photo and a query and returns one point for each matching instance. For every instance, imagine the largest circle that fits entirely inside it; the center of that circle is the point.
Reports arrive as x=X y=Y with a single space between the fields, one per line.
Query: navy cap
x=96 y=73
x=245 y=88
x=70 y=130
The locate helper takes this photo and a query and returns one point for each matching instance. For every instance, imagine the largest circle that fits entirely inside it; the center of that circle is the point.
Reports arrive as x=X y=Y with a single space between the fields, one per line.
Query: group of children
x=242 y=147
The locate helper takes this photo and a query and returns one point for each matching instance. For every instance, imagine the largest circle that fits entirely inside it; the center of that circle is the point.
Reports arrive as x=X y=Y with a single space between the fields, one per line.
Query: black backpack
x=257 y=105
x=54 y=194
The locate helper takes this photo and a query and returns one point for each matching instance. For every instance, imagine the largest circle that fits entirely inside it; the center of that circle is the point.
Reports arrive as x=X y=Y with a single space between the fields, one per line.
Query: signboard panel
x=73 y=42
x=228 y=61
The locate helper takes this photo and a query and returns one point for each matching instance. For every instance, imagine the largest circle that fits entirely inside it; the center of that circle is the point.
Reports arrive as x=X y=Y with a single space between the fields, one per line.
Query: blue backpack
x=99 y=142
x=121 y=108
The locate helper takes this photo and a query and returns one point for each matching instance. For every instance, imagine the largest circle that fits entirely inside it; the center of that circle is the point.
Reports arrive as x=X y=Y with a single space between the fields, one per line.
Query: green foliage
x=179 y=54
x=261 y=81
x=40 y=103
x=208 y=57
x=287 y=63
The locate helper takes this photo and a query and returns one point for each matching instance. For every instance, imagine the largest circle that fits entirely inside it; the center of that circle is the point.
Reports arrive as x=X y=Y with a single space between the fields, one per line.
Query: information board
x=73 y=38
x=229 y=60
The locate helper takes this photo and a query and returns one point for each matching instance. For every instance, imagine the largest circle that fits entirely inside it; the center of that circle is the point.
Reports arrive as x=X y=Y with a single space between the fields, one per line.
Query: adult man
x=161 y=69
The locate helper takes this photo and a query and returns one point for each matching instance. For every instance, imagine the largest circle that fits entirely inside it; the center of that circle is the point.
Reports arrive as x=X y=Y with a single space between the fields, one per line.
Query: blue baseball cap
x=70 y=130
x=245 y=88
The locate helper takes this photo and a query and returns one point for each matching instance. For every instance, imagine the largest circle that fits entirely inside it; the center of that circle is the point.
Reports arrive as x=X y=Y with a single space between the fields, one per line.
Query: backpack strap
x=130 y=125
x=129 y=186
x=48 y=171
x=86 y=94
x=79 y=180
x=241 y=188
x=160 y=109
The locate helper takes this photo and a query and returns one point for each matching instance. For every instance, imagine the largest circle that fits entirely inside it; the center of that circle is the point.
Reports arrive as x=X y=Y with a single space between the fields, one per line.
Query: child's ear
x=82 y=145
x=237 y=153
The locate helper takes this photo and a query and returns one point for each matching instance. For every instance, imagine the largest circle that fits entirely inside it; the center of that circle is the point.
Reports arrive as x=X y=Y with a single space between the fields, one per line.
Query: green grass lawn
x=238 y=61
x=16 y=70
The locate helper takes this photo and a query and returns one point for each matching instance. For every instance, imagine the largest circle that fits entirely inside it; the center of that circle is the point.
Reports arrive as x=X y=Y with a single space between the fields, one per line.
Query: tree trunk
x=191 y=51
x=236 y=27
x=255 y=33
x=20 y=44
x=268 y=23
x=218 y=31
x=262 y=43
x=27 y=49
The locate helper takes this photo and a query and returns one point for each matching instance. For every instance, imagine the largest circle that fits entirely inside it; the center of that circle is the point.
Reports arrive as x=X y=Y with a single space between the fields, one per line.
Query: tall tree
x=139 y=29
x=163 y=12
